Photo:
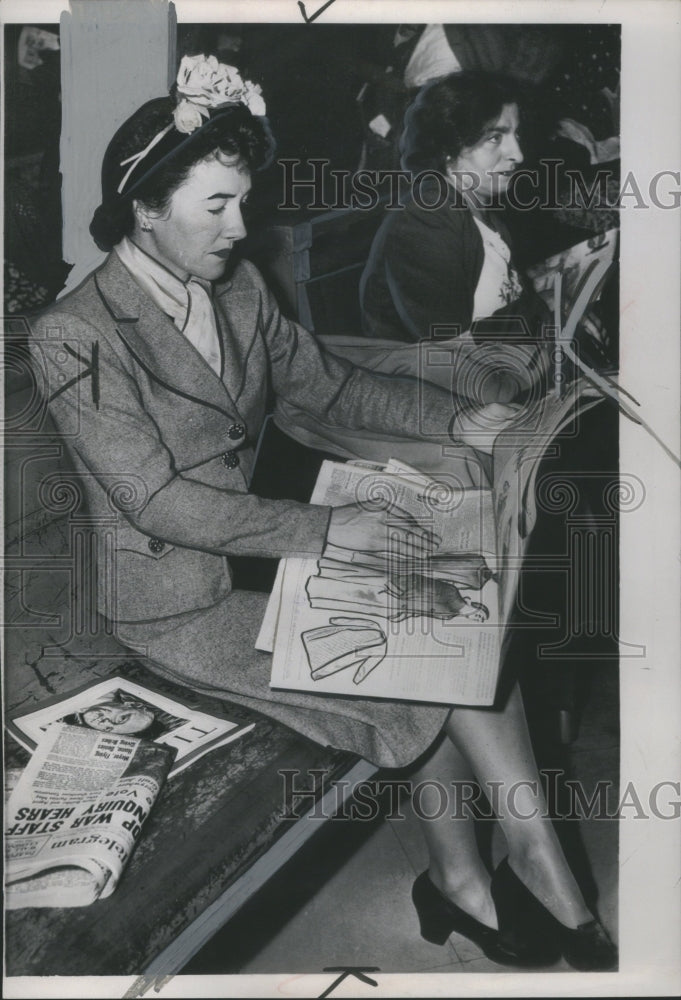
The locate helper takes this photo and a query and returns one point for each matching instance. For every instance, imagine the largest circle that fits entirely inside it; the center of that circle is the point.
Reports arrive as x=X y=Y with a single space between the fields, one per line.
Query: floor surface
x=345 y=898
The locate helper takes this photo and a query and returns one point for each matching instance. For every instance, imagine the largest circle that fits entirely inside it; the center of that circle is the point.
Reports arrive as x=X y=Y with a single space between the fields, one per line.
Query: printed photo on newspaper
x=123 y=707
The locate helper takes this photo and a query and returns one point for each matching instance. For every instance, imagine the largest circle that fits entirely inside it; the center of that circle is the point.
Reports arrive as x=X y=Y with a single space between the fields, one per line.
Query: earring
x=146 y=227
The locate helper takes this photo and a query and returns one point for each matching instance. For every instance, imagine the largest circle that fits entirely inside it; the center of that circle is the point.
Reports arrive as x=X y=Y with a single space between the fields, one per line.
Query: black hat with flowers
x=210 y=107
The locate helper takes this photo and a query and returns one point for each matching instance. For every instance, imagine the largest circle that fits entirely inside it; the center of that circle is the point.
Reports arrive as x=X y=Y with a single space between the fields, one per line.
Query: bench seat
x=219 y=829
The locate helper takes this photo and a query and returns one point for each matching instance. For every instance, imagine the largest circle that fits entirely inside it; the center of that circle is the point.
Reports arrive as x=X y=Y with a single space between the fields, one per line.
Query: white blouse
x=499 y=283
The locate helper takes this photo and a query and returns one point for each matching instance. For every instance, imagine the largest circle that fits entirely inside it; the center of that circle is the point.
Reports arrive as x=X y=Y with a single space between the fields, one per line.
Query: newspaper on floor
x=76 y=813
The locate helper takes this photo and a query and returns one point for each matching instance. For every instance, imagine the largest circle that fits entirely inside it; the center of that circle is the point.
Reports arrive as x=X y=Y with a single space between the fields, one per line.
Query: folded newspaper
x=76 y=813
x=430 y=630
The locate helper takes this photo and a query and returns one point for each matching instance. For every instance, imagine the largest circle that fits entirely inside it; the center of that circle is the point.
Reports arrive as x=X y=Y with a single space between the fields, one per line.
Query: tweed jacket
x=164 y=448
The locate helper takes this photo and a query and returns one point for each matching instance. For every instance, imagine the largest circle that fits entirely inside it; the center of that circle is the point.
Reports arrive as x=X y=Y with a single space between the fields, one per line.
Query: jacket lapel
x=155 y=342
x=237 y=316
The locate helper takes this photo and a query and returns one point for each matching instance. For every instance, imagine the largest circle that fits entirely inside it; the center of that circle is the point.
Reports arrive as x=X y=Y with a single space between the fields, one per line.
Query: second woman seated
x=443 y=261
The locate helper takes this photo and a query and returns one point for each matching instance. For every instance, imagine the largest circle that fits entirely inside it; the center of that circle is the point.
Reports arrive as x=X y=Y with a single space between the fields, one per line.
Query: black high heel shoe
x=586 y=948
x=439 y=917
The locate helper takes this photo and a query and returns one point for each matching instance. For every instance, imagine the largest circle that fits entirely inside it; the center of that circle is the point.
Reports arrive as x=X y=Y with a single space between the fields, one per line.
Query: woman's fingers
x=404 y=549
x=382 y=532
x=404 y=522
x=480 y=427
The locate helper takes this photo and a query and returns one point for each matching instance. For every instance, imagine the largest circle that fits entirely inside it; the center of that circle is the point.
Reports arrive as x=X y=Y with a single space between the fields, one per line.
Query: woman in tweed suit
x=158 y=370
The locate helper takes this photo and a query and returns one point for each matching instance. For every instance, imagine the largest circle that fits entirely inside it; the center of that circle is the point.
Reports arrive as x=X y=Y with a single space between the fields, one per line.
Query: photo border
x=650 y=850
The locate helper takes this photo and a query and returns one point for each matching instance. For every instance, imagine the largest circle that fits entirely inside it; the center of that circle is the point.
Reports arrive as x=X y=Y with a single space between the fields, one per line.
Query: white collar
x=188 y=303
x=165 y=288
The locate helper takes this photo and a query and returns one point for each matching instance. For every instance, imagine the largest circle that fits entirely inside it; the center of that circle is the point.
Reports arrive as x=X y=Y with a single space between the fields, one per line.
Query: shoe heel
x=434 y=921
x=439 y=917
x=522 y=919
x=514 y=901
x=587 y=948
x=433 y=930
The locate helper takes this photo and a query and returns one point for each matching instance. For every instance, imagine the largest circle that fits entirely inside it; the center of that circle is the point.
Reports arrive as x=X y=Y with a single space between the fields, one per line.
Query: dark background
x=311 y=77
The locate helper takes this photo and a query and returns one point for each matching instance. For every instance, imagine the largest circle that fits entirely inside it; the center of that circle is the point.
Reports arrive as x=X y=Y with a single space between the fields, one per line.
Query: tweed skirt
x=213 y=651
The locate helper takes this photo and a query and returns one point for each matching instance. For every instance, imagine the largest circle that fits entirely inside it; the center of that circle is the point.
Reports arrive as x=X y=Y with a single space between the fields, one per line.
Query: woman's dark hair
x=233 y=131
x=450 y=114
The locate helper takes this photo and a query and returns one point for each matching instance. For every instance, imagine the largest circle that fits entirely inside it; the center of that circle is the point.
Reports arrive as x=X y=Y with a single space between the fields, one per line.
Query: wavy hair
x=452 y=113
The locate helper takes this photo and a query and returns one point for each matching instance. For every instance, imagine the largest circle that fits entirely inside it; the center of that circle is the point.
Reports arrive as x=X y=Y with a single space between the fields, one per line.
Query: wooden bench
x=218 y=831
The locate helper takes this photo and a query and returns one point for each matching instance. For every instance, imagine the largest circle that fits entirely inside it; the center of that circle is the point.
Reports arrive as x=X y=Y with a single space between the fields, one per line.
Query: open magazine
x=431 y=630
x=425 y=631
x=121 y=706
x=518 y=452
x=573 y=265
x=76 y=813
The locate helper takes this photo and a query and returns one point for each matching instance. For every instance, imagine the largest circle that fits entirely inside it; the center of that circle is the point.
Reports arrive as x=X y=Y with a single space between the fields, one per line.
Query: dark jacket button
x=230 y=459
x=156 y=545
x=236 y=431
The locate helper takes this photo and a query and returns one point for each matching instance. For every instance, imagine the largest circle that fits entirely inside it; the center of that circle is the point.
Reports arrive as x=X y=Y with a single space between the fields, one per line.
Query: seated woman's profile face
x=202 y=222
x=488 y=164
x=124 y=718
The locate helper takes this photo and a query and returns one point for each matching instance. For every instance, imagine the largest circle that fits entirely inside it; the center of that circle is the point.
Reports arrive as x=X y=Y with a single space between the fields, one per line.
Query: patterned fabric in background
x=587 y=87
x=23 y=290
x=595 y=220
x=20 y=294
x=586 y=84
x=34 y=271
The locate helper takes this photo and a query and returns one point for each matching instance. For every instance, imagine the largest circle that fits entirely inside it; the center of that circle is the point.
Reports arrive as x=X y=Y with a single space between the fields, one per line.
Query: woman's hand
x=495 y=372
x=389 y=533
x=479 y=428
x=474 y=610
x=420 y=596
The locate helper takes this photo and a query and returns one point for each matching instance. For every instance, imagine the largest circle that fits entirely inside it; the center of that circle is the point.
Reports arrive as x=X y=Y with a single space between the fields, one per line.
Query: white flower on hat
x=254 y=100
x=203 y=82
x=188 y=116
